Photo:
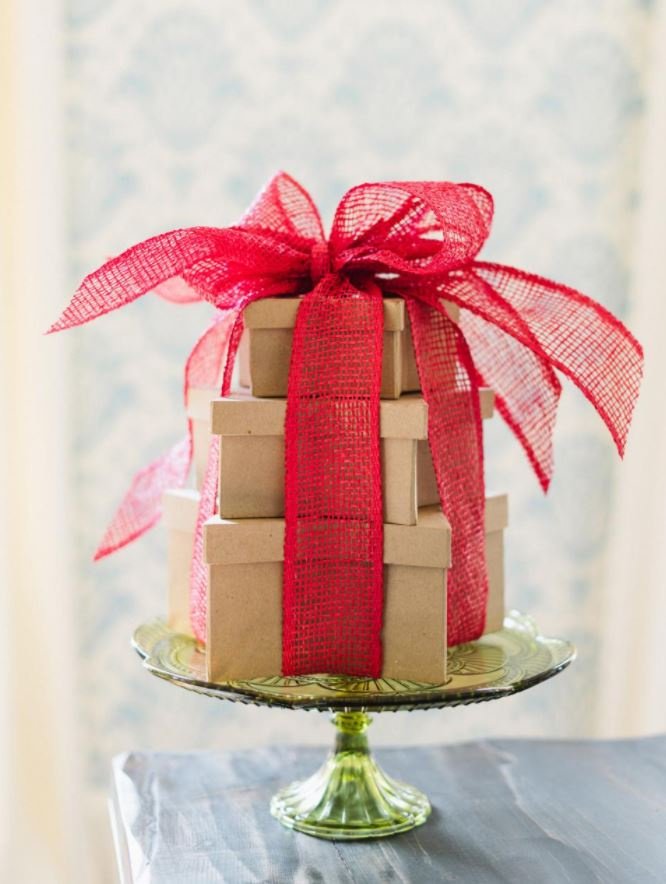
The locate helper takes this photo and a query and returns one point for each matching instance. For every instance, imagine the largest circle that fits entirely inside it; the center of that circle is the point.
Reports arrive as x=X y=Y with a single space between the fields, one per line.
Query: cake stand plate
x=350 y=797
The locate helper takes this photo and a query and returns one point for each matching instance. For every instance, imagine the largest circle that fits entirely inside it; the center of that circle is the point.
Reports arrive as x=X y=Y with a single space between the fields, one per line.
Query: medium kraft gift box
x=198 y=409
x=252 y=456
x=271 y=321
x=245 y=594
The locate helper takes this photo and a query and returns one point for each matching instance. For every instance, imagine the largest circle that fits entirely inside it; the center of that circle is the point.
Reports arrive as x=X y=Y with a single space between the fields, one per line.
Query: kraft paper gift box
x=244 y=635
x=252 y=456
x=271 y=321
x=180 y=514
x=496 y=520
x=180 y=518
x=245 y=594
x=198 y=411
x=243 y=359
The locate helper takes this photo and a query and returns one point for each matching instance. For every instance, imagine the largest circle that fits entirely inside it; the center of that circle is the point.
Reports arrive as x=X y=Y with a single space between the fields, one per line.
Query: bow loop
x=284 y=207
x=415 y=229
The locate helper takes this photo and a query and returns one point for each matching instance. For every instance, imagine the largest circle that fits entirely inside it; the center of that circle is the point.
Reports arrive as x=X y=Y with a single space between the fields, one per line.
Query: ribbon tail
x=141 y=506
x=141 y=269
x=509 y=359
x=333 y=552
x=220 y=348
x=580 y=338
x=527 y=390
x=448 y=382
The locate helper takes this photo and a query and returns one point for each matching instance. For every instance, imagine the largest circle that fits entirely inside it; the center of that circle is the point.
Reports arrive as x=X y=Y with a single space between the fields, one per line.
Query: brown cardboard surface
x=179 y=554
x=252 y=478
x=180 y=517
x=179 y=507
x=246 y=602
x=271 y=322
x=497 y=512
x=245 y=588
x=281 y=313
x=495 y=566
x=252 y=455
x=198 y=402
x=244 y=621
x=414 y=627
x=426 y=544
x=245 y=541
x=244 y=415
x=398 y=463
x=243 y=359
x=410 y=373
x=270 y=357
x=272 y=313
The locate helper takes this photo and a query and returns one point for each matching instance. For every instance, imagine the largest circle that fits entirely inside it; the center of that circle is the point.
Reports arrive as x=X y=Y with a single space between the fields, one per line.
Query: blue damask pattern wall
x=177 y=113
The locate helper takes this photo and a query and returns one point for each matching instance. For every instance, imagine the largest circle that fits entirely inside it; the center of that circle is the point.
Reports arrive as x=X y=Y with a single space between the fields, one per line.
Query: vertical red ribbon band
x=418 y=240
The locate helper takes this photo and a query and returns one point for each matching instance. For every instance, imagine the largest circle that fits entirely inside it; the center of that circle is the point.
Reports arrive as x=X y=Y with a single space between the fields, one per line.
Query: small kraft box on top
x=270 y=323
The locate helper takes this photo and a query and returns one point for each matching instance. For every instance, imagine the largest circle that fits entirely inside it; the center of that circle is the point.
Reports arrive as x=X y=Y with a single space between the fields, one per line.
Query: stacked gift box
x=243 y=543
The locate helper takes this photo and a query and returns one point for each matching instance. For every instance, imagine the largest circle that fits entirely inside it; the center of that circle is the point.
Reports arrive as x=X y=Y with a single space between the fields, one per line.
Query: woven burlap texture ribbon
x=416 y=240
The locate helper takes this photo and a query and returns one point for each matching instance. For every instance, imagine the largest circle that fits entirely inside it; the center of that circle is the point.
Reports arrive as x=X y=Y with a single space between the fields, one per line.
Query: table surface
x=515 y=811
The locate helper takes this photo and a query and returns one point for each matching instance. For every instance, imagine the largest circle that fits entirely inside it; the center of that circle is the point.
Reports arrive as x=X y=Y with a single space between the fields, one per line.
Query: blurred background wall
x=174 y=114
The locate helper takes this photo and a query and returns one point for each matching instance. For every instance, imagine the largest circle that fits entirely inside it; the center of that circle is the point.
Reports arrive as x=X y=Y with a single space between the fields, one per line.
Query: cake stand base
x=350 y=797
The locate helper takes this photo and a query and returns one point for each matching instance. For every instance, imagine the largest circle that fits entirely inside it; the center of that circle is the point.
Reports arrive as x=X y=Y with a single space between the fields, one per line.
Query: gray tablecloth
x=539 y=812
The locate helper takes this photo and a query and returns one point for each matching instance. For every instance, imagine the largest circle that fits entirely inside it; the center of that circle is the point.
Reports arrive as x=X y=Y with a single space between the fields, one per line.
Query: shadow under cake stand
x=350 y=797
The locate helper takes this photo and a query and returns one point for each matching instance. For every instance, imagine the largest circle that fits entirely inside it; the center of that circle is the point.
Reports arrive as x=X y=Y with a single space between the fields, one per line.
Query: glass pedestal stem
x=350 y=797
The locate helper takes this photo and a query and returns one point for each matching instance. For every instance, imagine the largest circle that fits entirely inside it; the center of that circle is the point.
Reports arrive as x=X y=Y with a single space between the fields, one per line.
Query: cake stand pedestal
x=350 y=797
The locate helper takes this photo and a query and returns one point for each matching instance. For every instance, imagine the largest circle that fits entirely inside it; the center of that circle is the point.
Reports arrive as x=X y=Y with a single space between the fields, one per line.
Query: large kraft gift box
x=252 y=455
x=270 y=322
x=245 y=594
x=180 y=518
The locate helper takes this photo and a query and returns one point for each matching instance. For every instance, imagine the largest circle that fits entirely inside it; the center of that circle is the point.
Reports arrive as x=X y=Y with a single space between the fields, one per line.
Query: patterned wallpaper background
x=178 y=112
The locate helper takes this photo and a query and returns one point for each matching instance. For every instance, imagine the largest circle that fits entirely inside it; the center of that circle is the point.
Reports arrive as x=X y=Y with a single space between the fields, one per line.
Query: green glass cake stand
x=350 y=797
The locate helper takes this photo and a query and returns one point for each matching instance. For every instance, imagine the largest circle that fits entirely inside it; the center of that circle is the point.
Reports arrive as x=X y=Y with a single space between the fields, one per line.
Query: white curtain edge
x=632 y=686
x=44 y=839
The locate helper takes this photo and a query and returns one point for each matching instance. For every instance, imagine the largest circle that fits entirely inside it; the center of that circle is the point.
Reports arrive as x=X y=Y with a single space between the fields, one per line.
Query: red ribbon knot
x=320 y=262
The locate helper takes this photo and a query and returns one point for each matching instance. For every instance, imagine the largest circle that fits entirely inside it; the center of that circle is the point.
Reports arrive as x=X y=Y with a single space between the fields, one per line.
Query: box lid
x=244 y=415
x=247 y=541
x=242 y=541
x=281 y=313
x=497 y=512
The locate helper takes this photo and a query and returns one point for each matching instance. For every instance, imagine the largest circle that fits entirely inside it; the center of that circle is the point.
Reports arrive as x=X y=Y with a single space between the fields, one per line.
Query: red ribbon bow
x=417 y=240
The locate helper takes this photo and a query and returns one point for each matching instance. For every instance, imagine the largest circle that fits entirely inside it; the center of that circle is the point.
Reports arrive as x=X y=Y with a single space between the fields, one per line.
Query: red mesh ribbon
x=419 y=241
